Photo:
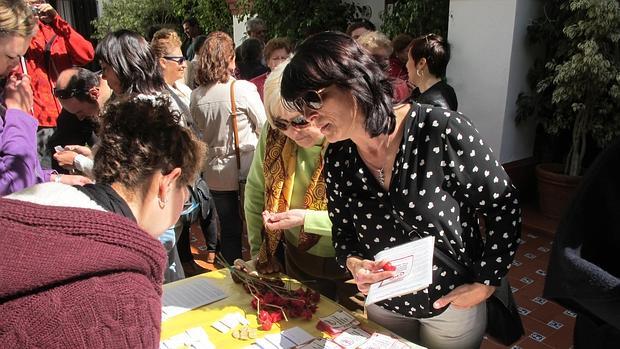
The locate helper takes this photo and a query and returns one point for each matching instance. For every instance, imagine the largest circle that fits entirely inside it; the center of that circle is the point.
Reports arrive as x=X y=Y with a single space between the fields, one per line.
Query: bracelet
x=57 y=179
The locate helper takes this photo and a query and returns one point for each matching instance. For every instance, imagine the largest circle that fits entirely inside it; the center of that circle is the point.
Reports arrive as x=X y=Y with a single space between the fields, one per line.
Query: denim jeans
x=231 y=224
x=45 y=154
x=209 y=230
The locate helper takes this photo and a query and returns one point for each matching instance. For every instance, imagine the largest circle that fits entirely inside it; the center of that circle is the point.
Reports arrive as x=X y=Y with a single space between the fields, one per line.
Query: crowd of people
x=326 y=151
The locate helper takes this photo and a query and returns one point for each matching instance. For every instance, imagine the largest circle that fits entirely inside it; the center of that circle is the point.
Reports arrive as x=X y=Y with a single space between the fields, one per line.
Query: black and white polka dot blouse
x=443 y=177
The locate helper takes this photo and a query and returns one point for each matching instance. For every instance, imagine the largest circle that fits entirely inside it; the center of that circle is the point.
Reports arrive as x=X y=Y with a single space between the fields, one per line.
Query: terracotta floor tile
x=562 y=338
x=532 y=290
x=532 y=325
x=547 y=312
x=488 y=343
x=526 y=301
x=529 y=343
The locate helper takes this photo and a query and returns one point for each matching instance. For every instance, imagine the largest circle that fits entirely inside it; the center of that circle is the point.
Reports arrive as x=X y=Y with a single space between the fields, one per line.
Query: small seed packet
x=352 y=338
x=321 y=343
x=229 y=322
x=337 y=322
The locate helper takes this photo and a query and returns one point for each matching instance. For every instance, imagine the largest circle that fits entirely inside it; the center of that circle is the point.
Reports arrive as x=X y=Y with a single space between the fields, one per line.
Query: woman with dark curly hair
x=211 y=107
x=400 y=173
x=90 y=265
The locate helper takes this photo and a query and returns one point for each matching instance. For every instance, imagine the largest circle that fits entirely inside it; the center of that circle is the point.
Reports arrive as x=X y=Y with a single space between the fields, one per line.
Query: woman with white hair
x=285 y=202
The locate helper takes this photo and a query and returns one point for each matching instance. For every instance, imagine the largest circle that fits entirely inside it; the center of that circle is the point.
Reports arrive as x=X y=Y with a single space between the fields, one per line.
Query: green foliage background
x=139 y=15
x=576 y=82
x=297 y=19
x=416 y=17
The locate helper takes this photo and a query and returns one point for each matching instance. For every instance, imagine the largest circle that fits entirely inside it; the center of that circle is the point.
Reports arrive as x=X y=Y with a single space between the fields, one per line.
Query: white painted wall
x=489 y=67
x=238 y=30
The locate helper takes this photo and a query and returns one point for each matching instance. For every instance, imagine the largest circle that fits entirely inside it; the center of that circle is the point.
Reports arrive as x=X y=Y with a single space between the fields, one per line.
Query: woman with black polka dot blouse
x=427 y=165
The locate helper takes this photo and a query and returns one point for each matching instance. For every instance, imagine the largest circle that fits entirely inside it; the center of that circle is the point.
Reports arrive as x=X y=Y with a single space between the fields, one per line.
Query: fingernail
x=436 y=305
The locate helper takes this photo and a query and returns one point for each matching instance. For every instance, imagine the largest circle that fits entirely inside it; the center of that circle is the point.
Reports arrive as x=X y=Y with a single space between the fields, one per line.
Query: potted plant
x=575 y=87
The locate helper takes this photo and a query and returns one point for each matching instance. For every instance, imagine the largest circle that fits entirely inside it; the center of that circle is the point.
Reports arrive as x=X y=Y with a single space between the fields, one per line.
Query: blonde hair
x=375 y=40
x=16 y=18
x=271 y=93
x=164 y=41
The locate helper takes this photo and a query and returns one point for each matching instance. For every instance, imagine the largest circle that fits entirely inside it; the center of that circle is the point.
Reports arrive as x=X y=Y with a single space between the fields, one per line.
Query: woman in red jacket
x=55 y=47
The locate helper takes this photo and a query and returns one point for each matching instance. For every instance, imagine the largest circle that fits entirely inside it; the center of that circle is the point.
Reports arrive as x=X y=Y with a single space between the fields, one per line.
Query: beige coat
x=211 y=110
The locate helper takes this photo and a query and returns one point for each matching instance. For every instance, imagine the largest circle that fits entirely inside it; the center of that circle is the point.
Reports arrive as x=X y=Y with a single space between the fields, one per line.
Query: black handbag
x=198 y=205
x=503 y=320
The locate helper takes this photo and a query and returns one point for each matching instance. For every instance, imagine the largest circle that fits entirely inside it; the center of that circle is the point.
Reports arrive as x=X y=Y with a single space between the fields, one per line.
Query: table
x=238 y=300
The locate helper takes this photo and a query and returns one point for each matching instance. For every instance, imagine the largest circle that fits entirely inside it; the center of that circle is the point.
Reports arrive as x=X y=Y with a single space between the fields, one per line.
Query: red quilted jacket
x=68 y=49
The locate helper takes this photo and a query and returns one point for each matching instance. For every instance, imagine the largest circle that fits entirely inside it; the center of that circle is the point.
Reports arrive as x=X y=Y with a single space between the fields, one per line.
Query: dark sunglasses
x=67 y=93
x=176 y=59
x=311 y=99
x=298 y=122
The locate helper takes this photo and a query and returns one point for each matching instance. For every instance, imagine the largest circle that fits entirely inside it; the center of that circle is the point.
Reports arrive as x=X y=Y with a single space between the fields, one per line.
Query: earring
x=162 y=204
x=419 y=74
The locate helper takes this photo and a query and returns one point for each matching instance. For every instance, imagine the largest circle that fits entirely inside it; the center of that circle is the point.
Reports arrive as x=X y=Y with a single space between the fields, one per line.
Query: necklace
x=381 y=176
x=381 y=170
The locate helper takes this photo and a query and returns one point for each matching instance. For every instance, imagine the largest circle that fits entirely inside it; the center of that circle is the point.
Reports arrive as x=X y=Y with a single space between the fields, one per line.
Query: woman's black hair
x=435 y=49
x=131 y=58
x=251 y=50
x=334 y=58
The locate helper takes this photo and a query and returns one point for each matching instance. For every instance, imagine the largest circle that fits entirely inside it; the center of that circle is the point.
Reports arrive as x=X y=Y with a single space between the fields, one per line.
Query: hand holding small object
x=80 y=149
x=65 y=158
x=367 y=272
x=46 y=13
x=18 y=93
x=284 y=220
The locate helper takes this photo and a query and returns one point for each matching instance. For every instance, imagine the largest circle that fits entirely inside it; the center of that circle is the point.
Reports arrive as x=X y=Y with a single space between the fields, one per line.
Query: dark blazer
x=584 y=272
x=439 y=95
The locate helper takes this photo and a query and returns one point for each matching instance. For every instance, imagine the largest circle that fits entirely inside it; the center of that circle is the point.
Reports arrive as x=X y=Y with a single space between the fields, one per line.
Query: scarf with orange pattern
x=279 y=170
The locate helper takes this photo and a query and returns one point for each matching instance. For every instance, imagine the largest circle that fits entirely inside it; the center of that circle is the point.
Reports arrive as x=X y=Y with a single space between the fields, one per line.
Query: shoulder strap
x=48 y=55
x=185 y=111
x=233 y=105
x=442 y=256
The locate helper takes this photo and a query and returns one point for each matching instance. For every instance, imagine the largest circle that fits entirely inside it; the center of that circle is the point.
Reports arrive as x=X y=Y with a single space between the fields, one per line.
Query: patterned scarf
x=279 y=170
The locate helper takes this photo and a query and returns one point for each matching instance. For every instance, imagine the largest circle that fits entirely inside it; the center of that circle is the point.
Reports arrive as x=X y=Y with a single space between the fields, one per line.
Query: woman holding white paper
x=391 y=167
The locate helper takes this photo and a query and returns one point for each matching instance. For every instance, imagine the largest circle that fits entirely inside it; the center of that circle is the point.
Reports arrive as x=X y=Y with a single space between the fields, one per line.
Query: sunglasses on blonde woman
x=177 y=59
x=298 y=122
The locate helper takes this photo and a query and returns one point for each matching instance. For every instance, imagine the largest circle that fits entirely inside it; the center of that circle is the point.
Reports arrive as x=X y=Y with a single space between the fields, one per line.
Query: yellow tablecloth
x=238 y=300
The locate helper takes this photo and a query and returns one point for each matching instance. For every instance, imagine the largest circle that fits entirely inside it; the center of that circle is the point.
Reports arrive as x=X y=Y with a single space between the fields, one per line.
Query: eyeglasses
x=67 y=93
x=176 y=59
x=298 y=122
x=311 y=99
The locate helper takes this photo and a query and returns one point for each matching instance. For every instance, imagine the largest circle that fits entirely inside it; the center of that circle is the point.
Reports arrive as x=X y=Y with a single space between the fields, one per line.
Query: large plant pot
x=555 y=189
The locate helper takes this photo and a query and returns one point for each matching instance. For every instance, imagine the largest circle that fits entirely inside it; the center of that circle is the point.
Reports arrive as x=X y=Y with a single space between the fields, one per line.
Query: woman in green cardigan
x=285 y=202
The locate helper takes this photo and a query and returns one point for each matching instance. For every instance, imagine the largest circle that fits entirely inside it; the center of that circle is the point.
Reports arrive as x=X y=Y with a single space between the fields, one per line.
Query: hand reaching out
x=284 y=220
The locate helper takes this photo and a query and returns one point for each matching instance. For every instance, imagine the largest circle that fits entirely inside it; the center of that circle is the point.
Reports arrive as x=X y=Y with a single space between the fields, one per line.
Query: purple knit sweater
x=77 y=278
x=19 y=163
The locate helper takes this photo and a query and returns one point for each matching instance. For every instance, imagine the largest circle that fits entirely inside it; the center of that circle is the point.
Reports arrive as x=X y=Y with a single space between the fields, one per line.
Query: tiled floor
x=547 y=325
